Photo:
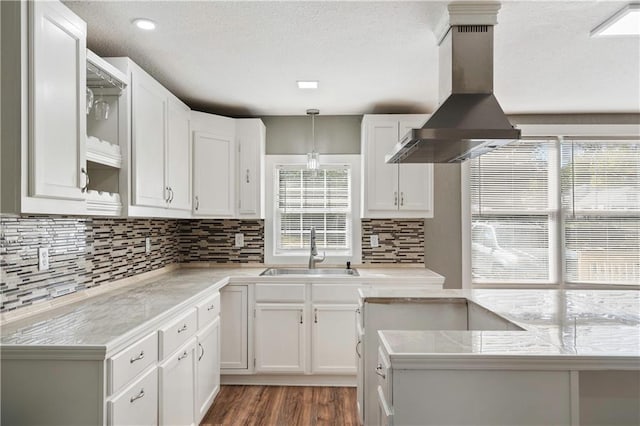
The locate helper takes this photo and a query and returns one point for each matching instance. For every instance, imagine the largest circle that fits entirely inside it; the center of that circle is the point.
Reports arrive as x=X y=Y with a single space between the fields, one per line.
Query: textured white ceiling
x=243 y=58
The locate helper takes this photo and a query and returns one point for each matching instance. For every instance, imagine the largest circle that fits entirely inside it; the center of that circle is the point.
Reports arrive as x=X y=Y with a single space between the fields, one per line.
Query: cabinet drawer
x=137 y=404
x=177 y=332
x=208 y=310
x=130 y=362
x=280 y=293
x=335 y=293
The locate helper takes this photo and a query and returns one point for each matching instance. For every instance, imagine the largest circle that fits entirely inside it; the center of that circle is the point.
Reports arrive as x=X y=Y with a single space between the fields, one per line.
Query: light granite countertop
x=103 y=319
x=587 y=325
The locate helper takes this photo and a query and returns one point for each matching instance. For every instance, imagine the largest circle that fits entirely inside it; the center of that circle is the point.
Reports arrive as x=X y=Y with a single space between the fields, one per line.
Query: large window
x=313 y=198
x=560 y=211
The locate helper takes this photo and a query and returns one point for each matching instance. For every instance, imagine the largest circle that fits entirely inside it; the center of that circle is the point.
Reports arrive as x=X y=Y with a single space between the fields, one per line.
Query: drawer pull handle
x=183 y=328
x=202 y=354
x=210 y=308
x=137 y=358
x=315 y=316
x=379 y=371
x=357 y=346
x=138 y=396
x=183 y=356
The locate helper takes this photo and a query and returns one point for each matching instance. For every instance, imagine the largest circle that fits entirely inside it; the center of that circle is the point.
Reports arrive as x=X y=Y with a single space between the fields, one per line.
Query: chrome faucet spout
x=313 y=255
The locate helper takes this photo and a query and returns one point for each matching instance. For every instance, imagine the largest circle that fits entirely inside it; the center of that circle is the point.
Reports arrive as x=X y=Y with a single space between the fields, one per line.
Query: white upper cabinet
x=57 y=125
x=149 y=111
x=214 y=159
x=160 y=147
x=178 y=155
x=393 y=190
x=250 y=137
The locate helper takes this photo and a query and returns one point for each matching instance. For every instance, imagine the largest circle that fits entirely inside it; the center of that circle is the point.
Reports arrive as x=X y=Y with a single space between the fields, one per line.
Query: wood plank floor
x=283 y=405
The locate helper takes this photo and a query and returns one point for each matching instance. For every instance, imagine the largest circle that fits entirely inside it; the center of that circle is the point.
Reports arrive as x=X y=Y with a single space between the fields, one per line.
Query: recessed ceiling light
x=307 y=84
x=625 y=22
x=144 y=24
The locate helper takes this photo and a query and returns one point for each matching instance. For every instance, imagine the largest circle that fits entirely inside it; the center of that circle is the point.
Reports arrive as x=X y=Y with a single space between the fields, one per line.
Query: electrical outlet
x=43 y=258
x=147 y=245
x=373 y=241
x=239 y=240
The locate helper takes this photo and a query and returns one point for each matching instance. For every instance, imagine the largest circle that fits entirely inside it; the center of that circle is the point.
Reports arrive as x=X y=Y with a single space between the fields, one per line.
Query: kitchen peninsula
x=506 y=356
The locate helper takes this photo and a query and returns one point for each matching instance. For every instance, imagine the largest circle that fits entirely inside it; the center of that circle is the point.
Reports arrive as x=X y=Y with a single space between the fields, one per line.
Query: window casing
x=273 y=222
x=557 y=211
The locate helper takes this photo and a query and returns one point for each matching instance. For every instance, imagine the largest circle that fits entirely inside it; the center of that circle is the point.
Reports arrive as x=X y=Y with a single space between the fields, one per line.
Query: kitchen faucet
x=313 y=255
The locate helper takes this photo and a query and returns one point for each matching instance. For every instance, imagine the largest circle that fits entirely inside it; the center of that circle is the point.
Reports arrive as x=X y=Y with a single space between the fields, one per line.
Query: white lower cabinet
x=176 y=387
x=137 y=404
x=280 y=343
x=333 y=334
x=234 y=331
x=207 y=367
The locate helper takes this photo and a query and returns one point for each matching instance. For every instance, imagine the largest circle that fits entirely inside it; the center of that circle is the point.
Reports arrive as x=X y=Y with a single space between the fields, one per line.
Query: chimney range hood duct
x=470 y=122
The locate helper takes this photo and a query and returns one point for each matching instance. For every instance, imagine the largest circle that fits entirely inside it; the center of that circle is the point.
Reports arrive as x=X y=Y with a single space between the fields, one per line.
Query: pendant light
x=313 y=158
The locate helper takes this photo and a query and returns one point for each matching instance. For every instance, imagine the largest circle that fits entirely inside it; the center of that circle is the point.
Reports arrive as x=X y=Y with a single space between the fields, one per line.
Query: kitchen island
x=506 y=357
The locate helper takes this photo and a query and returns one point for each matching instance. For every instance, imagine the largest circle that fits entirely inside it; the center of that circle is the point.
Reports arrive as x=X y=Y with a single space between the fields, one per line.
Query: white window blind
x=596 y=236
x=512 y=202
x=319 y=198
x=601 y=202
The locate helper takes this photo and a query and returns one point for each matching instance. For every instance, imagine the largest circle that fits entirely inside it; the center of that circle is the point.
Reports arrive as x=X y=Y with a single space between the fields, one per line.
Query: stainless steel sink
x=319 y=272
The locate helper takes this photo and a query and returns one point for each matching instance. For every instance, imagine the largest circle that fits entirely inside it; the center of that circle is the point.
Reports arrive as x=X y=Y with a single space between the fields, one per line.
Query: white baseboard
x=288 y=380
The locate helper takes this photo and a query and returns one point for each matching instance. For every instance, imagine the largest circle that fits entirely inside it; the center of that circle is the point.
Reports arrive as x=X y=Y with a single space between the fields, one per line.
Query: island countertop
x=587 y=325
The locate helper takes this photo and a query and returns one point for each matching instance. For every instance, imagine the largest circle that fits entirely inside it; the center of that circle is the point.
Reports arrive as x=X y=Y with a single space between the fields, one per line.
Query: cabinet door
x=57 y=126
x=177 y=378
x=178 y=155
x=415 y=180
x=250 y=136
x=234 y=332
x=207 y=368
x=280 y=337
x=334 y=339
x=149 y=105
x=213 y=175
x=381 y=178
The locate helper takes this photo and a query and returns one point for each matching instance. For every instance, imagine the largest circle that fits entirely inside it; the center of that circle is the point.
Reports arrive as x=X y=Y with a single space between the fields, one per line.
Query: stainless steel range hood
x=470 y=122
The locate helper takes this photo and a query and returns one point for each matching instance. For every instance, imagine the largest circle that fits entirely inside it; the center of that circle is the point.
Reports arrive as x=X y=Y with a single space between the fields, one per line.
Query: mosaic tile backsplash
x=211 y=240
x=399 y=240
x=86 y=252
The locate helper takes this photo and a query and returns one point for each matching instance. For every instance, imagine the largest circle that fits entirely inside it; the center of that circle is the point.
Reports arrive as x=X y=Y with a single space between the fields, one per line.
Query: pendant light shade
x=313 y=158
